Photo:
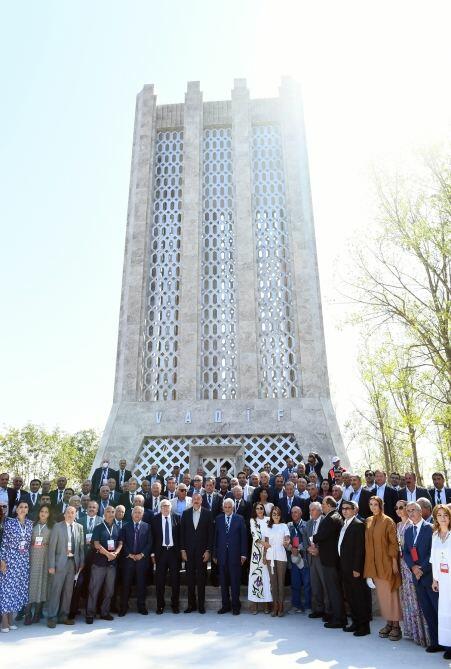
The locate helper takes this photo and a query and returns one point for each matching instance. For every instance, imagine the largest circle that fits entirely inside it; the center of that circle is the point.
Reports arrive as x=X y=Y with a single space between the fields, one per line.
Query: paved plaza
x=208 y=641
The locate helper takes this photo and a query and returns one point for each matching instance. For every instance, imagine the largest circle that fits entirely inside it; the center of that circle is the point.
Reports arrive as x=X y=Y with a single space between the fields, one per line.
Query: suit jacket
x=33 y=509
x=199 y=540
x=97 y=478
x=283 y=505
x=315 y=468
x=124 y=499
x=423 y=545
x=243 y=509
x=390 y=499
x=327 y=538
x=57 y=554
x=420 y=492
x=54 y=497
x=307 y=532
x=24 y=496
x=148 y=503
x=127 y=475
x=157 y=534
x=116 y=497
x=446 y=496
x=352 y=549
x=188 y=500
x=143 y=543
x=230 y=546
x=216 y=503
x=364 y=504
x=158 y=477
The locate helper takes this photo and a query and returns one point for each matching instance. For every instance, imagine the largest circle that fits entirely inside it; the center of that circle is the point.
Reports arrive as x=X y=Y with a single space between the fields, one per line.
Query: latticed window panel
x=277 y=341
x=161 y=329
x=259 y=449
x=218 y=309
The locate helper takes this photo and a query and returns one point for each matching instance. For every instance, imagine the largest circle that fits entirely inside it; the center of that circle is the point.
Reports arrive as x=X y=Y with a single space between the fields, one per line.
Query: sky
x=375 y=81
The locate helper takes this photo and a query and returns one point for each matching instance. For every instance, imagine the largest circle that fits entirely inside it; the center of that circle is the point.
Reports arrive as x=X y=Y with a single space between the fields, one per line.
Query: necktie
x=72 y=540
x=166 y=533
x=315 y=527
x=209 y=501
x=60 y=496
x=228 y=524
x=135 y=542
x=415 y=530
x=439 y=497
x=132 y=497
x=289 y=503
x=91 y=524
x=122 y=478
x=155 y=503
x=33 y=498
x=111 y=496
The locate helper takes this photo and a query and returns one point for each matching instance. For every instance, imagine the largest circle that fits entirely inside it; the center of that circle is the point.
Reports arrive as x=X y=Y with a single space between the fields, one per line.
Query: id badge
x=444 y=568
x=88 y=538
x=38 y=541
x=414 y=554
x=110 y=544
x=22 y=546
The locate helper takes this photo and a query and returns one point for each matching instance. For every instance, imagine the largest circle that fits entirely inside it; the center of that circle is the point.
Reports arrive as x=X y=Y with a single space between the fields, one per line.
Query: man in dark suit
x=290 y=500
x=416 y=553
x=241 y=507
x=165 y=554
x=127 y=499
x=153 y=502
x=388 y=494
x=412 y=493
x=103 y=499
x=360 y=496
x=326 y=538
x=229 y=552
x=56 y=496
x=439 y=494
x=211 y=499
x=153 y=476
x=17 y=495
x=196 y=543
x=223 y=474
x=35 y=499
x=136 y=538
x=314 y=464
x=290 y=468
x=278 y=490
x=264 y=484
x=122 y=475
x=114 y=496
x=101 y=475
x=351 y=549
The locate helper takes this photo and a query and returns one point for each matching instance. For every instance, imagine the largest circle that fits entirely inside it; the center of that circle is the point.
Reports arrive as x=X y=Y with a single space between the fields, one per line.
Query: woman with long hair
x=40 y=538
x=382 y=566
x=277 y=536
x=414 y=625
x=14 y=566
x=441 y=573
x=263 y=498
x=259 y=587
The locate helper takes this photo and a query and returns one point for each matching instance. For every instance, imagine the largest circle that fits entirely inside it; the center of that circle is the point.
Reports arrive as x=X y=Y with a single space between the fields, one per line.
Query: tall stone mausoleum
x=221 y=355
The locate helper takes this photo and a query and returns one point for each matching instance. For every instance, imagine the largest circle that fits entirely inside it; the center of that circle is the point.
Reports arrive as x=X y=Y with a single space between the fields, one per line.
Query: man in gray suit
x=320 y=600
x=65 y=560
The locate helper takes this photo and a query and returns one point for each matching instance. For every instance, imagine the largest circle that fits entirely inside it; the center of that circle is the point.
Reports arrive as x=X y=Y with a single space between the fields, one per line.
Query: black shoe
x=327 y=618
x=362 y=631
x=107 y=617
x=223 y=610
x=143 y=612
x=236 y=612
x=447 y=655
x=89 y=621
x=190 y=609
x=334 y=626
x=350 y=628
x=122 y=614
x=201 y=609
x=316 y=614
x=175 y=609
x=159 y=612
x=434 y=649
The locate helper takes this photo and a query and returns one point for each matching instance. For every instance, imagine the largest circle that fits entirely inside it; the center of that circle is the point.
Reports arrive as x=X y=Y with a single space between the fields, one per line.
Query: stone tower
x=221 y=354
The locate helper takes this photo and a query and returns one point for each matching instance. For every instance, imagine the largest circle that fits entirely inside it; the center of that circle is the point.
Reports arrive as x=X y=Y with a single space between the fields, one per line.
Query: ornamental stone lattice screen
x=221 y=355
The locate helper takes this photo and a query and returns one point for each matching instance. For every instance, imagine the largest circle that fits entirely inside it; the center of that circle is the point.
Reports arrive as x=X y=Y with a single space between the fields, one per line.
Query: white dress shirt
x=411 y=496
x=380 y=490
x=347 y=490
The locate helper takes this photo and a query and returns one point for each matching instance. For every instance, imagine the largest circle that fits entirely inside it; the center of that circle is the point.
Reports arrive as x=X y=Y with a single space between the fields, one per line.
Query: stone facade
x=221 y=353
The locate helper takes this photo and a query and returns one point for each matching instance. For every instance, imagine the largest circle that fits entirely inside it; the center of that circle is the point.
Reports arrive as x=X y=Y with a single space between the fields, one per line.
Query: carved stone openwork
x=277 y=341
x=162 y=327
x=218 y=378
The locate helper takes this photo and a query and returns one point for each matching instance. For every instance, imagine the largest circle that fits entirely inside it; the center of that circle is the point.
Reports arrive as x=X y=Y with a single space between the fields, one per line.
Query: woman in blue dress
x=14 y=566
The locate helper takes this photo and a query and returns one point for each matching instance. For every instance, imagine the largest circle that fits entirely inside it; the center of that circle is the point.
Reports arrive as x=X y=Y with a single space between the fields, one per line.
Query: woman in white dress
x=259 y=588
x=277 y=540
x=441 y=573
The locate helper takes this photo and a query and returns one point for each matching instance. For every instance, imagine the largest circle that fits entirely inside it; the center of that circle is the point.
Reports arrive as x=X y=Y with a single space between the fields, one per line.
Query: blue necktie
x=228 y=524
x=414 y=533
x=166 y=533
x=135 y=542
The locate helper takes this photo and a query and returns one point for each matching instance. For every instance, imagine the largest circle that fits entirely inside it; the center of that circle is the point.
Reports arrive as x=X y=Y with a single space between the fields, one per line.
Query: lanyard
x=22 y=530
x=40 y=528
x=110 y=532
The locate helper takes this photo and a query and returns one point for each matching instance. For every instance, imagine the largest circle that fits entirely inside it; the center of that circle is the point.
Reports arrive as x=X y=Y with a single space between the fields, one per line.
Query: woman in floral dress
x=414 y=624
x=15 y=566
x=259 y=587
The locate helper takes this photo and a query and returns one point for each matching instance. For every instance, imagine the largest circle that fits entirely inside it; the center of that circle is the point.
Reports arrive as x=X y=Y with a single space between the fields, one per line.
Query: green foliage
x=32 y=451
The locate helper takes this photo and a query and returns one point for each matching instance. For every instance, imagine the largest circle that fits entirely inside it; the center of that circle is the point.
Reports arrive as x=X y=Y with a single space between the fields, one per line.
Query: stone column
x=129 y=351
x=314 y=376
x=189 y=360
x=244 y=242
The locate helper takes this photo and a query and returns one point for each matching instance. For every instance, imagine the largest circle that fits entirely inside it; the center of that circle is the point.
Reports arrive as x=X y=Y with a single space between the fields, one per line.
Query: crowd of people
x=332 y=536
